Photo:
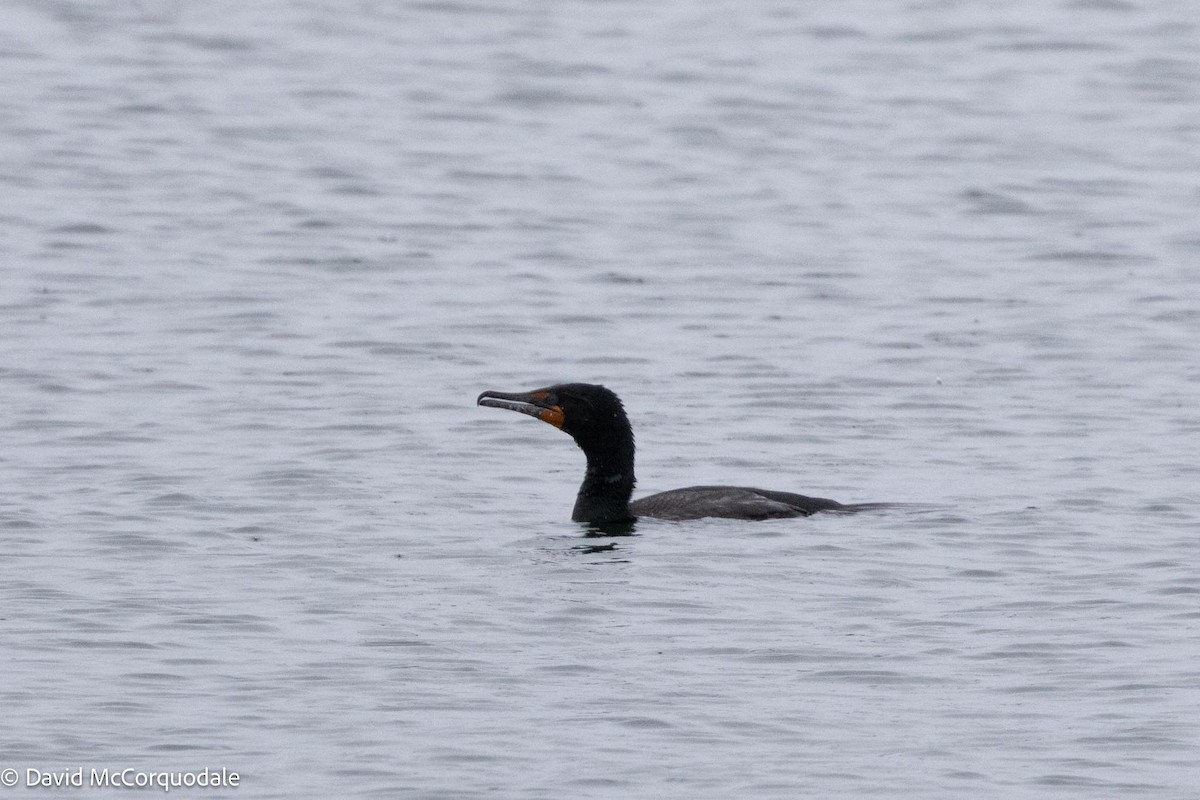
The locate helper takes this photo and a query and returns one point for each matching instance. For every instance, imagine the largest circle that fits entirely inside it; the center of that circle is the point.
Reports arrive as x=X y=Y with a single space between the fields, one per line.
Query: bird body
x=738 y=502
x=596 y=420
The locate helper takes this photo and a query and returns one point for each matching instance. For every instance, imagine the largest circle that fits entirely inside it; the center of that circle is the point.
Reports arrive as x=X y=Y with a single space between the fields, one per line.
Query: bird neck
x=607 y=486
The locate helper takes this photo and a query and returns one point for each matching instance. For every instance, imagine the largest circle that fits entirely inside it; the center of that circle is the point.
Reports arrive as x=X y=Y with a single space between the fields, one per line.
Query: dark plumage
x=596 y=420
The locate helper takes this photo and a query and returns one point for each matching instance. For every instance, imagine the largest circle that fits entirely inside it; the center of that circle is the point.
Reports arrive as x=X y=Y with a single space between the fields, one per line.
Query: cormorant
x=596 y=420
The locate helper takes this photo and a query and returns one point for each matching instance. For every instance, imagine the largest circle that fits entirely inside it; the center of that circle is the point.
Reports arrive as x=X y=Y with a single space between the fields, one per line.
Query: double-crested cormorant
x=596 y=420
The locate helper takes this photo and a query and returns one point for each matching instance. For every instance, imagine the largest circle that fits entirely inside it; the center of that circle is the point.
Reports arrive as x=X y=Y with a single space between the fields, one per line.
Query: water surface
x=259 y=259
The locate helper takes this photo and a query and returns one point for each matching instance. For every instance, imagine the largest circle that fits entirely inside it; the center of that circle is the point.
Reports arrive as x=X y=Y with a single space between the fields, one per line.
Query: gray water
x=258 y=259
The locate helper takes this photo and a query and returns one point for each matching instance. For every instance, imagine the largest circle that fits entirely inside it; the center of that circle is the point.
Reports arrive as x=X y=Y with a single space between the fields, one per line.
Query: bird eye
x=580 y=404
